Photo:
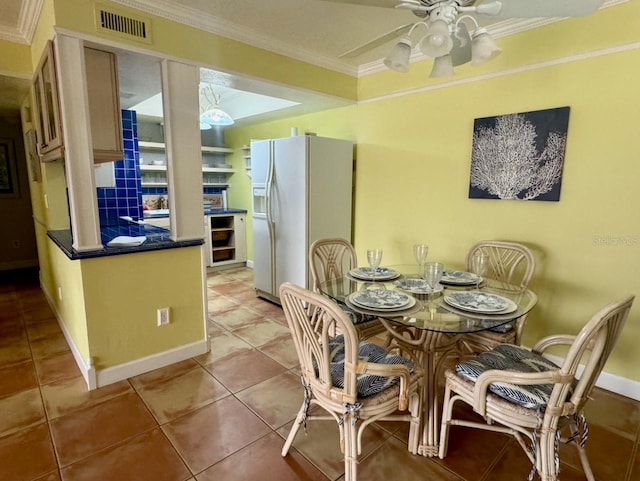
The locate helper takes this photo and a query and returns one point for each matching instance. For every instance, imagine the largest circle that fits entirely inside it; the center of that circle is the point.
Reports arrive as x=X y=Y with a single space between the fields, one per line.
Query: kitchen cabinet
x=226 y=239
x=155 y=174
x=47 y=108
x=104 y=106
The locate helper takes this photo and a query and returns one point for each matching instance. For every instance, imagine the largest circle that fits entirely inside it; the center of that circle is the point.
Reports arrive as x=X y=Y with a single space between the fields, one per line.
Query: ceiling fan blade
x=376 y=42
x=547 y=8
x=461 y=51
x=369 y=3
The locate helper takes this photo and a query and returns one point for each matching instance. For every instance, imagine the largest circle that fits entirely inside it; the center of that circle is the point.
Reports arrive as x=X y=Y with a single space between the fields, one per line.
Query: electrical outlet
x=46 y=201
x=60 y=293
x=163 y=316
x=15 y=243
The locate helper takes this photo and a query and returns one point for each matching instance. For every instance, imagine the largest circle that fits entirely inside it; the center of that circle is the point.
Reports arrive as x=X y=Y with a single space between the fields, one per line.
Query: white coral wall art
x=519 y=156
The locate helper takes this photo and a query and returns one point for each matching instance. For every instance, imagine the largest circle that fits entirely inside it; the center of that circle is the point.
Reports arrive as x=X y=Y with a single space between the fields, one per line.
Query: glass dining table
x=429 y=325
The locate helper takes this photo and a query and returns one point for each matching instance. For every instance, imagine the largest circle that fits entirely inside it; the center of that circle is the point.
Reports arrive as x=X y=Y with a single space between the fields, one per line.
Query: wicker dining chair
x=332 y=258
x=355 y=382
x=513 y=264
x=522 y=393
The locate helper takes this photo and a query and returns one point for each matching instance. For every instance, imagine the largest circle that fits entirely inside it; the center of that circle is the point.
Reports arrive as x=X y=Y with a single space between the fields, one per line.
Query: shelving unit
x=246 y=155
x=226 y=240
x=210 y=175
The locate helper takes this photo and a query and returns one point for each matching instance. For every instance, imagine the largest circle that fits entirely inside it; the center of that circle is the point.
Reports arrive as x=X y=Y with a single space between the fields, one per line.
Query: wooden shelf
x=142 y=144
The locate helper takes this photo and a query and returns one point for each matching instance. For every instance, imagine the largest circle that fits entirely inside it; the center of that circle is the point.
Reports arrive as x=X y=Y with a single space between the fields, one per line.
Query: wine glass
x=420 y=254
x=480 y=266
x=432 y=274
x=374 y=257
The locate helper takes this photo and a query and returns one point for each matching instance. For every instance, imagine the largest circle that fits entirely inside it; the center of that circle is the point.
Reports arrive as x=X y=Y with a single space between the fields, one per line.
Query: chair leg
x=582 y=452
x=546 y=456
x=294 y=430
x=447 y=410
x=415 y=409
x=350 y=448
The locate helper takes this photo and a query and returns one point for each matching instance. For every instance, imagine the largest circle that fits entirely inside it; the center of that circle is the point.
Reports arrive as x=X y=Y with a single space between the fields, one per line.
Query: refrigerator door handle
x=270 y=224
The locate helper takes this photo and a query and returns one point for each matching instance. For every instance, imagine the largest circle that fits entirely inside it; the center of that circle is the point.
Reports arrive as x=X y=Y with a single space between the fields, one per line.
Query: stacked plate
x=381 y=300
x=481 y=302
x=416 y=286
x=460 y=278
x=368 y=274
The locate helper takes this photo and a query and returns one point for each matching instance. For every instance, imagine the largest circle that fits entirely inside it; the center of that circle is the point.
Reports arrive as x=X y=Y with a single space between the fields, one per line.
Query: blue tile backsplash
x=125 y=199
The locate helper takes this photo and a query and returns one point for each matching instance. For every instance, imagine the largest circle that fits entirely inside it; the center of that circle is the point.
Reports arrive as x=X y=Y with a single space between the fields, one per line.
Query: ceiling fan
x=447 y=38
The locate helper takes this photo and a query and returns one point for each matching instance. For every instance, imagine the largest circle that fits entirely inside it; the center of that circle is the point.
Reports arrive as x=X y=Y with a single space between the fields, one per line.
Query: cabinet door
x=104 y=105
x=47 y=107
x=240 y=236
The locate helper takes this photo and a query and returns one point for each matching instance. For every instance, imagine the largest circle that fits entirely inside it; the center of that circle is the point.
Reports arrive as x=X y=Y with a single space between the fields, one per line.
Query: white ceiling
x=315 y=31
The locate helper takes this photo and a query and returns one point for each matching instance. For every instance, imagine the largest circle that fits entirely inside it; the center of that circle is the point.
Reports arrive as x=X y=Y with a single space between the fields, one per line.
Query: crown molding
x=212 y=24
x=27 y=21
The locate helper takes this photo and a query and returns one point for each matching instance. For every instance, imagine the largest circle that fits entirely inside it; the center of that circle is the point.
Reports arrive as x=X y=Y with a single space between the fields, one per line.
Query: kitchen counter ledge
x=157 y=239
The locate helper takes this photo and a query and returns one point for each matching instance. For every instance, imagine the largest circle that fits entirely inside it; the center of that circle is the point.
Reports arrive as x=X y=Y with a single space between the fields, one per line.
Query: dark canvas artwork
x=519 y=156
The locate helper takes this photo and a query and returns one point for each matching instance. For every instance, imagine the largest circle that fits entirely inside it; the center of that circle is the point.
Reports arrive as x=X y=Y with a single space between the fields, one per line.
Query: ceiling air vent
x=122 y=25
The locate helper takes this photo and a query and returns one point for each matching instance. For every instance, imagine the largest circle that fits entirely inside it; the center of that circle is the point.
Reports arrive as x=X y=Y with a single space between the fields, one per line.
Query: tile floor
x=212 y=418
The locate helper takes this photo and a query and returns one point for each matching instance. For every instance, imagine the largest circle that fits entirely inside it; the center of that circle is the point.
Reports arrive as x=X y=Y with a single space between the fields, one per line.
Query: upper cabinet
x=47 y=108
x=104 y=106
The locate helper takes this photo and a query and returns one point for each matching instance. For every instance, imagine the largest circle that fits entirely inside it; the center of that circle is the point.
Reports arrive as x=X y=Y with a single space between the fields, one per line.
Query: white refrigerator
x=302 y=191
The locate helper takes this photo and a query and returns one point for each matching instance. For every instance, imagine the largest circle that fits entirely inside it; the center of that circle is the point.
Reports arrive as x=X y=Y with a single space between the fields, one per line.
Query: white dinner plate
x=460 y=278
x=416 y=286
x=483 y=302
x=382 y=300
x=367 y=274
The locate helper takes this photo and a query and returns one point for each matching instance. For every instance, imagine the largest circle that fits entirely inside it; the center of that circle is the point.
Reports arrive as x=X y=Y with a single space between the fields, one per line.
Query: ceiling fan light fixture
x=398 y=58
x=442 y=67
x=483 y=47
x=437 y=42
x=204 y=126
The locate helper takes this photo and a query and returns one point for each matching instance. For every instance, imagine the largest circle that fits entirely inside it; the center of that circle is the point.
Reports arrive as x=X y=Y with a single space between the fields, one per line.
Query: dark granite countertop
x=157 y=239
x=157 y=215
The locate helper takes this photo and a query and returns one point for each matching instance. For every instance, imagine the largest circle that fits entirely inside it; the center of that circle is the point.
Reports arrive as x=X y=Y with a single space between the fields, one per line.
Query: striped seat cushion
x=509 y=357
x=367 y=384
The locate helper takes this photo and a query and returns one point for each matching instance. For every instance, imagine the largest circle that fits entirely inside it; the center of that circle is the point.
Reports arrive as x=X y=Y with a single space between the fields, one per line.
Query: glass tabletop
x=431 y=311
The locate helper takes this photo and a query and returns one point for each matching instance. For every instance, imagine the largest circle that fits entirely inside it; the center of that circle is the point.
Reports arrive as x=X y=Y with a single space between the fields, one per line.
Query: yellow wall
x=122 y=294
x=15 y=59
x=413 y=161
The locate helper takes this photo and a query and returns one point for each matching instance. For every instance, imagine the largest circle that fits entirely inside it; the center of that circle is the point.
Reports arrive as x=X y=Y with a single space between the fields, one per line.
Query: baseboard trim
x=98 y=378
x=124 y=371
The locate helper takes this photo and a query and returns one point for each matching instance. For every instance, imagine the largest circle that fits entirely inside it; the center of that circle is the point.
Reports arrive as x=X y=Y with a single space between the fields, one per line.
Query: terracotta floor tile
x=229 y=288
x=49 y=345
x=68 y=395
x=262 y=332
x=262 y=461
x=222 y=345
x=282 y=350
x=57 y=367
x=14 y=349
x=82 y=433
x=606 y=463
x=181 y=394
x=20 y=411
x=321 y=445
x=236 y=318
x=27 y=454
x=147 y=457
x=208 y=435
x=267 y=308
x=17 y=377
x=38 y=312
x=276 y=400
x=221 y=304
x=618 y=413
x=163 y=374
x=393 y=461
x=54 y=476
x=244 y=369
x=43 y=329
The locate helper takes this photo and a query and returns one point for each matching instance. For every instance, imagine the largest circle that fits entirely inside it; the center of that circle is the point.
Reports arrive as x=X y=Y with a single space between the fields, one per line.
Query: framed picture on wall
x=519 y=156
x=8 y=169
